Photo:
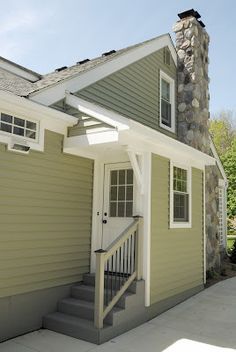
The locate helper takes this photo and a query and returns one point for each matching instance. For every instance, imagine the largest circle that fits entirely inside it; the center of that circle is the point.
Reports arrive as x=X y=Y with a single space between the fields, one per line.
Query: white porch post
x=142 y=172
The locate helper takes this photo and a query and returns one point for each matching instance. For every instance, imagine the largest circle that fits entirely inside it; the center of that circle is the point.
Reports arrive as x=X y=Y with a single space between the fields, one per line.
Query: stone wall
x=192 y=43
x=212 y=220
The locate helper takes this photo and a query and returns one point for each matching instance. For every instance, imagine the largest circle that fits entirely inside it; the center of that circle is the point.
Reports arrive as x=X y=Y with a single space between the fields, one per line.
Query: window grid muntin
x=18 y=124
x=180 y=177
x=165 y=103
x=115 y=201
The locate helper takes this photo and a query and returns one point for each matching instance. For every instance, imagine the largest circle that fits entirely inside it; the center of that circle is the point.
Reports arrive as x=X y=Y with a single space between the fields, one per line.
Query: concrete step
x=87 y=293
x=75 y=315
x=72 y=326
x=89 y=279
x=84 y=309
x=115 y=282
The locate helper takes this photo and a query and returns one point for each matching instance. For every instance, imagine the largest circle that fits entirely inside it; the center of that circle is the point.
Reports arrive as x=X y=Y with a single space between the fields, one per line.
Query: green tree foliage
x=229 y=163
x=223 y=132
x=233 y=253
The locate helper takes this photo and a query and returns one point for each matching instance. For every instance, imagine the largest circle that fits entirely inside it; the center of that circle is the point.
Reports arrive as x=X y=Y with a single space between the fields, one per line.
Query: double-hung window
x=180 y=197
x=167 y=102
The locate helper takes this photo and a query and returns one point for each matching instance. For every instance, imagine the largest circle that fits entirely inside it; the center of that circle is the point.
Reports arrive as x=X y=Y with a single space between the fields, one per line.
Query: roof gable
x=53 y=86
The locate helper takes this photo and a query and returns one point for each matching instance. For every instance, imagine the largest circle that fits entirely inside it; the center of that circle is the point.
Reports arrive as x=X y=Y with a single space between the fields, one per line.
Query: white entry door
x=118 y=205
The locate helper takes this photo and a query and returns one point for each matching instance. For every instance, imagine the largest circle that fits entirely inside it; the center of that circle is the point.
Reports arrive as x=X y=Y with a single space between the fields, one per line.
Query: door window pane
x=129 y=209
x=113 y=206
x=121 y=193
x=113 y=193
x=114 y=177
x=122 y=177
x=121 y=209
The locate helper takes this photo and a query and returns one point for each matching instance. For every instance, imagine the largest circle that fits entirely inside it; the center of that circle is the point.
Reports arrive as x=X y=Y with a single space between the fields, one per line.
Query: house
x=112 y=194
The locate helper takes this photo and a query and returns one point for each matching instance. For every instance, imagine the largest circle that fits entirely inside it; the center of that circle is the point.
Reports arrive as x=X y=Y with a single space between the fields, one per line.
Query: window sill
x=169 y=129
x=180 y=225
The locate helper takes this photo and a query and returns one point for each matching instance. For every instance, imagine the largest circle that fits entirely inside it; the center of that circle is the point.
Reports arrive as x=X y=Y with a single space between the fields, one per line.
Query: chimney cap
x=201 y=24
x=189 y=13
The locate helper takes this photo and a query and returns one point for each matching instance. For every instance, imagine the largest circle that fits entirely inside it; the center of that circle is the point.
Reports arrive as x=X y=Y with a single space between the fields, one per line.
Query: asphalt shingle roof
x=22 y=87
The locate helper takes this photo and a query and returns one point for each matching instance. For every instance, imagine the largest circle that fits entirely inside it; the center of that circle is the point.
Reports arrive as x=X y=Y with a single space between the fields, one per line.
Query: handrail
x=116 y=268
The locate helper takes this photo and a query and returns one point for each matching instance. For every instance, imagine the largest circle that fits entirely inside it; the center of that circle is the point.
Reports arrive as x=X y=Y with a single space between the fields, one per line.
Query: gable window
x=180 y=197
x=17 y=126
x=167 y=102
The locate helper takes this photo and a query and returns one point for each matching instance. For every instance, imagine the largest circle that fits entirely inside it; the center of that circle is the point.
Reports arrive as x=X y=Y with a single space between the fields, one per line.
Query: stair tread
x=92 y=289
x=71 y=319
x=87 y=304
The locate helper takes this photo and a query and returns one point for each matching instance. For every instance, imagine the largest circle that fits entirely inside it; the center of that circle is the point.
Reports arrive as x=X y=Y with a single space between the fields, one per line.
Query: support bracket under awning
x=137 y=165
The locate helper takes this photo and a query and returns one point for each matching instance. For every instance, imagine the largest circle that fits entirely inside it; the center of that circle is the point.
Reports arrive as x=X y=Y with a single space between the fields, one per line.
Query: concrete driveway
x=205 y=322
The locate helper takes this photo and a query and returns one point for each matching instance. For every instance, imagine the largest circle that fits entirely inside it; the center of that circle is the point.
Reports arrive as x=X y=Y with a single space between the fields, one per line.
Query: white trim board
x=19 y=70
x=136 y=135
x=171 y=81
x=172 y=223
x=47 y=118
x=52 y=94
x=216 y=156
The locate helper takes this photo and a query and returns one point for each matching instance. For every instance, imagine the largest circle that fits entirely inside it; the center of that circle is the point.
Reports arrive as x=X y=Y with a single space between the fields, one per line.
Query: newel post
x=139 y=246
x=99 y=289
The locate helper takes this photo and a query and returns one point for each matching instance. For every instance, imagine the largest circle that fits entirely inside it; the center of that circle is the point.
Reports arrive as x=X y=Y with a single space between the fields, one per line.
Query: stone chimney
x=193 y=95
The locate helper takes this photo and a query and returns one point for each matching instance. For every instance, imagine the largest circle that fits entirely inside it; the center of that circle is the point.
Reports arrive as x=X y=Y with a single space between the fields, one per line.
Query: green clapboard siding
x=134 y=91
x=176 y=254
x=45 y=215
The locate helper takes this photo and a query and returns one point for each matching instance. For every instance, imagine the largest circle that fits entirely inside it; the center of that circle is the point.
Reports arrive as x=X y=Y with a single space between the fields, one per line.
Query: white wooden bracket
x=137 y=167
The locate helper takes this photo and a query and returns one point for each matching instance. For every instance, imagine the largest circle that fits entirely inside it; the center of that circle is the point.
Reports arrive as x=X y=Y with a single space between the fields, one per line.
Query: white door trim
x=143 y=207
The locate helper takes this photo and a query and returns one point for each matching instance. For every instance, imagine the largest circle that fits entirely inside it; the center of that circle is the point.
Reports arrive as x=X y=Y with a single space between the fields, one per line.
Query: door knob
x=104 y=221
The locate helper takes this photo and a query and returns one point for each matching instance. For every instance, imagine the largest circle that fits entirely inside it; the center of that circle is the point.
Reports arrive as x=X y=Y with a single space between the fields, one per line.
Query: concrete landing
x=205 y=322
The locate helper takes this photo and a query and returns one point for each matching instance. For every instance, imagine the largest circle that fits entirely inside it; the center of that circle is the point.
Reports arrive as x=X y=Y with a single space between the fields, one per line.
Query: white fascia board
x=52 y=94
x=142 y=138
x=135 y=135
x=17 y=104
x=219 y=163
x=19 y=71
x=90 y=139
x=108 y=116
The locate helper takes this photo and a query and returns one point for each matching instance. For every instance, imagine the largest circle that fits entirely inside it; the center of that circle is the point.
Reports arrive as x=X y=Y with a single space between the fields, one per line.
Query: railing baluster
x=131 y=254
x=107 y=282
x=123 y=269
x=111 y=275
x=119 y=267
x=115 y=272
x=121 y=264
x=135 y=239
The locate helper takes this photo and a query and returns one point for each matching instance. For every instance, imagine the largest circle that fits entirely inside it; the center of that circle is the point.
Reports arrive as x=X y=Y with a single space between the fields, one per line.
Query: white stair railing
x=116 y=268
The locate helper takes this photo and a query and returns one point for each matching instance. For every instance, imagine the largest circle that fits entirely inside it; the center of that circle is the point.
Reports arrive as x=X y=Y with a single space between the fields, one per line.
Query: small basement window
x=18 y=126
x=167 y=102
x=180 y=198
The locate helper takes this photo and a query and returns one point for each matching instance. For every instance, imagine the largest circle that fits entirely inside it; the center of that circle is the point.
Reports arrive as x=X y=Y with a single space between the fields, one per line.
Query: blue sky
x=43 y=35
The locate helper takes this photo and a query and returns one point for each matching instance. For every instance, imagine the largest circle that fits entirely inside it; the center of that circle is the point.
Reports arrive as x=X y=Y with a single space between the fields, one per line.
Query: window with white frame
x=180 y=197
x=167 y=102
x=18 y=126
